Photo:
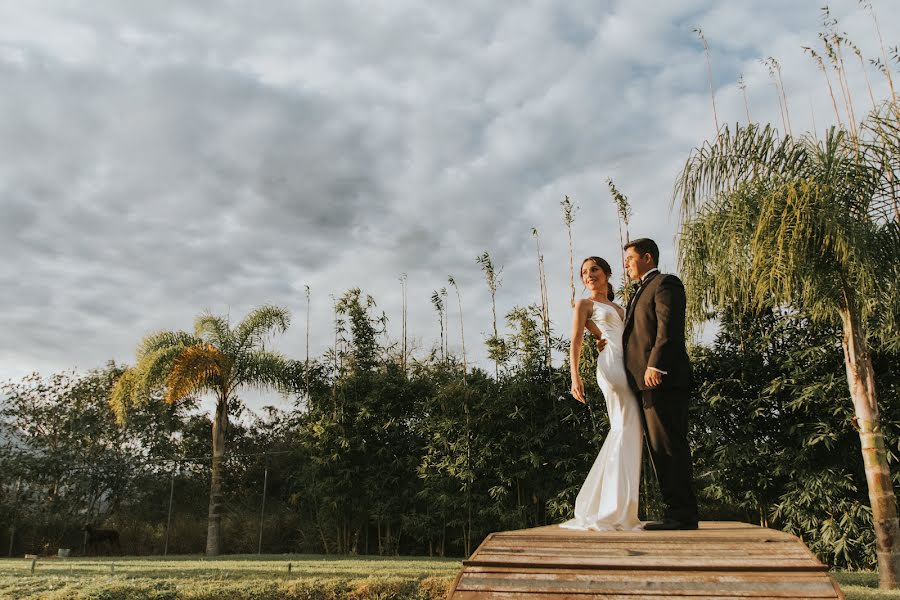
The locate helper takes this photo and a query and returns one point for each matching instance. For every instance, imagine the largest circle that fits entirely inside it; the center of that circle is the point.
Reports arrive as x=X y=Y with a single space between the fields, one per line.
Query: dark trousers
x=666 y=428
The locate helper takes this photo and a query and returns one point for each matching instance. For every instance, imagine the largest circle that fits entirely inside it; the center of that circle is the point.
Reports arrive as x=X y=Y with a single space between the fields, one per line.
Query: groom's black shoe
x=669 y=525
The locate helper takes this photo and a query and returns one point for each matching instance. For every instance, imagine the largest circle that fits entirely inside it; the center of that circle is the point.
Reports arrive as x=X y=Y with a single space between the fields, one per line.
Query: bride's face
x=593 y=277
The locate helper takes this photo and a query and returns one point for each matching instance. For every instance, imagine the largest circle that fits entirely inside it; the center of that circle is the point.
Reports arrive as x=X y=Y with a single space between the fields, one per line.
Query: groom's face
x=636 y=265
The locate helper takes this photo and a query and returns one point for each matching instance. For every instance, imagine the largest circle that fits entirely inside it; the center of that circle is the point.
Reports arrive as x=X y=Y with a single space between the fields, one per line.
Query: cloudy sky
x=159 y=159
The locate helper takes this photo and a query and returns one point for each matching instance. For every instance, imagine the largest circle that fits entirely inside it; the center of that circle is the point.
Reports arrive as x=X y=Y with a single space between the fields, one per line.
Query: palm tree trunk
x=860 y=378
x=214 y=526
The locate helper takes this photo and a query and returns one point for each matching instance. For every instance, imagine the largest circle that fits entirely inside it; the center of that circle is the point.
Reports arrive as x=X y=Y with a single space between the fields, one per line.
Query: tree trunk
x=861 y=381
x=214 y=526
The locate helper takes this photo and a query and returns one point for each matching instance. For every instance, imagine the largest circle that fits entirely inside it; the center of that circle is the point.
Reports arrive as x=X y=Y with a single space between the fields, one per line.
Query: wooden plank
x=736 y=564
x=461 y=595
x=761 y=575
x=642 y=554
x=718 y=560
x=659 y=584
x=637 y=549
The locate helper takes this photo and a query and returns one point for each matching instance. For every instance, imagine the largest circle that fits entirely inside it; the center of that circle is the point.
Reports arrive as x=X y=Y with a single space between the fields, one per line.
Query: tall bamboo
x=821 y=64
x=446 y=323
x=492 y=277
x=569 y=209
x=623 y=210
x=887 y=70
x=462 y=331
x=438 y=303
x=865 y=72
x=836 y=41
x=772 y=66
x=545 y=303
x=709 y=73
x=403 y=316
x=743 y=86
x=306 y=364
x=337 y=328
x=831 y=41
x=787 y=110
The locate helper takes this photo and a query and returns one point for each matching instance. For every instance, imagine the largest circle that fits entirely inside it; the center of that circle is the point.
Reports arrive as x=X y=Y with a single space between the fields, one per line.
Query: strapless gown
x=608 y=499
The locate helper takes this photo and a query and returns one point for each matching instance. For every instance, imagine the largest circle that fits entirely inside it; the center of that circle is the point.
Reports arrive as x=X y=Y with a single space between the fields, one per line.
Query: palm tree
x=769 y=220
x=215 y=359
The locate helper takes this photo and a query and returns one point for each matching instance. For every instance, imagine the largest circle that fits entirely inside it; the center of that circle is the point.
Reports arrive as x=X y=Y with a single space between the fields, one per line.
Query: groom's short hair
x=644 y=246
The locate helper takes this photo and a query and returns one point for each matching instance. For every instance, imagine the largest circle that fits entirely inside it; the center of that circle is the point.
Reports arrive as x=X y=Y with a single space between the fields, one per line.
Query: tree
x=218 y=360
x=66 y=460
x=770 y=438
x=803 y=224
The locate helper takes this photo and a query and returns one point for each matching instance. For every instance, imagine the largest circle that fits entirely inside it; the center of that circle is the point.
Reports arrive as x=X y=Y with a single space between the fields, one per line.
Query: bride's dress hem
x=601 y=527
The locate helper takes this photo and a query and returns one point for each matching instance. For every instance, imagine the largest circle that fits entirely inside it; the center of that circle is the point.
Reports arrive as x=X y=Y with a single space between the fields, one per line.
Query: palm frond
x=164 y=339
x=262 y=369
x=212 y=329
x=154 y=367
x=197 y=368
x=123 y=394
x=881 y=145
x=751 y=152
x=261 y=323
x=782 y=222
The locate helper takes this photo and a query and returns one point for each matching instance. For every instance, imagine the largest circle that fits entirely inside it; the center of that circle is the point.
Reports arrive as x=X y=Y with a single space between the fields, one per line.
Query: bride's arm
x=579 y=321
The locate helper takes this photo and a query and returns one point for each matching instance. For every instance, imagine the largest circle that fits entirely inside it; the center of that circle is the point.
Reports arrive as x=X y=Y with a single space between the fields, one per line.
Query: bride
x=608 y=499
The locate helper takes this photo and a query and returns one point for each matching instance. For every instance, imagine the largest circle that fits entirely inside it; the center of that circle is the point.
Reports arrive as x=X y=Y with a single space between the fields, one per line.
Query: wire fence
x=27 y=534
x=254 y=520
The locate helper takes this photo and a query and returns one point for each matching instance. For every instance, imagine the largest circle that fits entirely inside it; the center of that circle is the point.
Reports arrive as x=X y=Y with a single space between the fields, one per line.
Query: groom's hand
x=652 y=378
x=601 y=344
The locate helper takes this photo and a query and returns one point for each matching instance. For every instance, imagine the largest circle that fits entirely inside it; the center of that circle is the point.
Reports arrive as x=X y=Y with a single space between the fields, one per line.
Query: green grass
x=863 y=586
x=226 y=578
x=266 y=577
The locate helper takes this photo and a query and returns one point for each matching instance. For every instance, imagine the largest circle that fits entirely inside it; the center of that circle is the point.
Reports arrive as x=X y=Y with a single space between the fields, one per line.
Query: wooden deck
x=719 y=560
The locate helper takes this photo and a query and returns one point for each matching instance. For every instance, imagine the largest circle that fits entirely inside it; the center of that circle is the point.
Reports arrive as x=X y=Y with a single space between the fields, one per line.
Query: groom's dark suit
x=654 y=337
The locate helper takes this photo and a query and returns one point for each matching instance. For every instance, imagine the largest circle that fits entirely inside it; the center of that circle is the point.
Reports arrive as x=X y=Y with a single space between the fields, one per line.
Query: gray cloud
x=160 y=159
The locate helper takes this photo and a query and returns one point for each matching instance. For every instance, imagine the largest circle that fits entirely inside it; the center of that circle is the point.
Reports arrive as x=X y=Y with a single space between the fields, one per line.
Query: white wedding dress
x=608 y=499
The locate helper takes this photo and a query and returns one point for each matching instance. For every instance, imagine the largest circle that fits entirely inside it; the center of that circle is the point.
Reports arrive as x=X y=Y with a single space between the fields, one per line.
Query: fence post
x=262 y=511
x=169 y=518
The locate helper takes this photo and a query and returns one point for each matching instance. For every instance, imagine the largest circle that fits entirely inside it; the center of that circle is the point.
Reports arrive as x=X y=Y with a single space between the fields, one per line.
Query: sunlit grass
x=863 y=585
x=267 y=576
x=237 y=576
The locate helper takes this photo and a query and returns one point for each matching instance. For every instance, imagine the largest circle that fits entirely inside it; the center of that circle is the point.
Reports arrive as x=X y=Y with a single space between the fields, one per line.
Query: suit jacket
x=654 y=332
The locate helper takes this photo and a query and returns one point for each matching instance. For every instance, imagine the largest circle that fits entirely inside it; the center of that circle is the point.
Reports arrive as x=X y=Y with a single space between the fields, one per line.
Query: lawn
x=264 y=577
x=863 y=586
x=227 y=578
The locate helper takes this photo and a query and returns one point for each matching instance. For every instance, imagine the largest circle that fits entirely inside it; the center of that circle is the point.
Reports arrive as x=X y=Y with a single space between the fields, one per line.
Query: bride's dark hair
x=610 y=294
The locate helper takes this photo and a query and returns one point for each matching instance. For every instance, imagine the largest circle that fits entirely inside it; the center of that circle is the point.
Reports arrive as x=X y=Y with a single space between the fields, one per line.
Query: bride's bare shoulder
x=583 y=304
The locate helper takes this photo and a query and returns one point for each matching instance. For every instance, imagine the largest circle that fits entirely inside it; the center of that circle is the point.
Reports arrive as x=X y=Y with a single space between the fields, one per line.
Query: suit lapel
x=629 y=314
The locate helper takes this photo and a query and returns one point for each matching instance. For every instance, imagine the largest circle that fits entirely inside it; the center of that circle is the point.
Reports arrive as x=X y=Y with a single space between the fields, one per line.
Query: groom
x=659 y=372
